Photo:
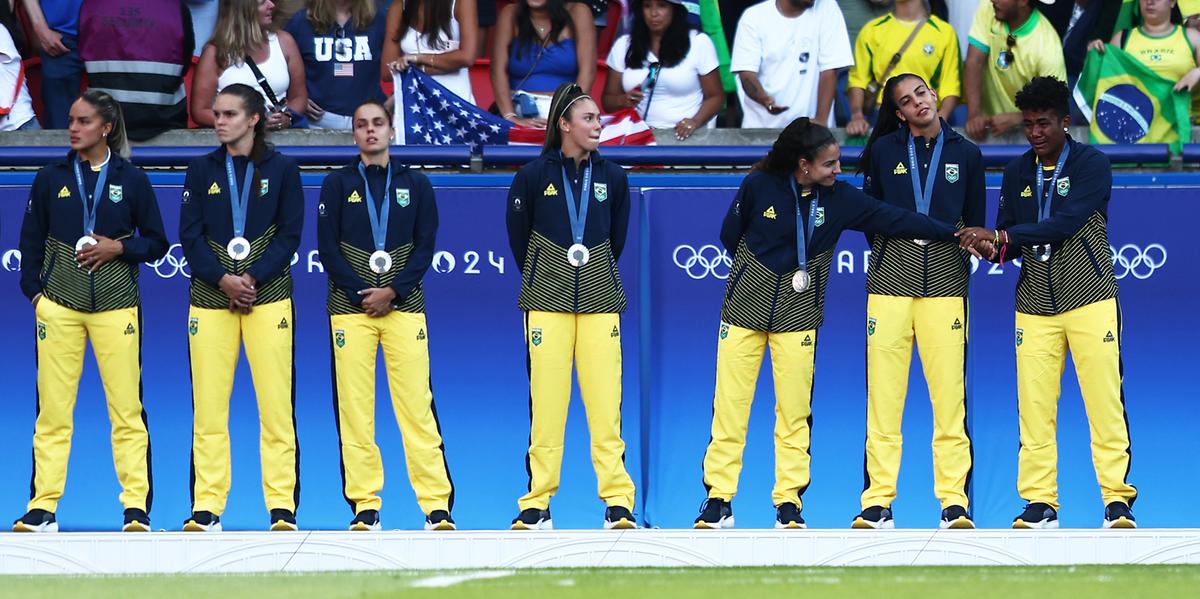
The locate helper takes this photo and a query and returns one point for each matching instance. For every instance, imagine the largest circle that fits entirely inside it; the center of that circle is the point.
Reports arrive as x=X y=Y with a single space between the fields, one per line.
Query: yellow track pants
x=592 y=342
x=356 y=339
x=62 y=336
x=214 y=338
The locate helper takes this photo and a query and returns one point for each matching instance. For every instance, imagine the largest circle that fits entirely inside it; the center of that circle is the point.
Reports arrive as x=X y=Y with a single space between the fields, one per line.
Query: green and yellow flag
x=1127 y=103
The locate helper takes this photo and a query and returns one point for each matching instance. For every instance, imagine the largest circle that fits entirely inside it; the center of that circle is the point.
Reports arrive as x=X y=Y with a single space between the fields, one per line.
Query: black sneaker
x=203 y=522
x=787 y=515
x=618 y=518
x=283 y=520
x=715 y=513
x=1037 y=515
x=874 y=517
x=136 y=520
x=533 y=519
x=1118 y=515
x=36 y=521
x=956 y=516
x=439 y=520
x=366 y=520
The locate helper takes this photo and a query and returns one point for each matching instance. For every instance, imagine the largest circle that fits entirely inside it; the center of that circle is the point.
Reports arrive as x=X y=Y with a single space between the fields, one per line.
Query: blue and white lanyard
x=240 y=204
x=924 y=198
x=90 y=202
x=379 y=222
x=1044 y=206
x=803 y=235
x=578 y=215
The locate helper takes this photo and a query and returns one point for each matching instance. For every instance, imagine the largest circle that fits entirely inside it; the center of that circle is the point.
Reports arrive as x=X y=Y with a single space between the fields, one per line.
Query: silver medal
x=381 y=262
x=921 y=242
x=85 y=241
x=578 y=255
x=238 y=248
x=801 y=280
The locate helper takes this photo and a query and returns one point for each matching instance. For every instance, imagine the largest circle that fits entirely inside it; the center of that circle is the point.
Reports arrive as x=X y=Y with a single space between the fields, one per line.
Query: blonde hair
x=237 y=31
x=322 y=14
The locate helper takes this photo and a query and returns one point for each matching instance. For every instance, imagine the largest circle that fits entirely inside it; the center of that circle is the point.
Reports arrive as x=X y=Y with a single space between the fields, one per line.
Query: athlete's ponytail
x=802 y=138
x=109 y=111
x=887 y=120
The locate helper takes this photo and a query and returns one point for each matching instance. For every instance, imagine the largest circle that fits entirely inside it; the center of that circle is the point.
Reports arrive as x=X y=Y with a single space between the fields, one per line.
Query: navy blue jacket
x=344 y=228
x=54 y=221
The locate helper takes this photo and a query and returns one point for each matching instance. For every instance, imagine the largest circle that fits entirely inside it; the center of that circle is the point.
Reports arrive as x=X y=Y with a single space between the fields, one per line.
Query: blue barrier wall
x=670 y=347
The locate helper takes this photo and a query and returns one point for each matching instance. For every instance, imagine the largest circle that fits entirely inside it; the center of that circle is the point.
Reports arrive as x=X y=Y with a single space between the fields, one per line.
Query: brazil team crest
x=41 y=328
x=1020 y=337
x=870 y=326
x=951 y=173
x=193 y=326
x=264 y=185
x=535 y=337
x=339 y=338
x=1064 y=186
x=116 y=193
x=820 y=217
x=724 y=330
x=600 y=190
x=403 y=197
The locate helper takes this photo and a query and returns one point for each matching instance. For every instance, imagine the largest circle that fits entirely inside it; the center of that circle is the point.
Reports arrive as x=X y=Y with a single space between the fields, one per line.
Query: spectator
x=1171 y=51
x=16 y=106
x=341 y=42
x=438 y=37
x=907 y=40
x=56 y=34
x=138 y=51
x=786 y=54
x=243 y=34
x=665 y=69
x=486 y=11
x=539 y=45
x=1011 y=43
x=857 y=13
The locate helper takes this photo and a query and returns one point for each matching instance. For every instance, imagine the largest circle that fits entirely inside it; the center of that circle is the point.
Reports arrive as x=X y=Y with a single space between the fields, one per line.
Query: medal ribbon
x=803 y=236
x=239 y=204
x=578 y=215
x=89 y=202
x=379 y=222
x=924 y=198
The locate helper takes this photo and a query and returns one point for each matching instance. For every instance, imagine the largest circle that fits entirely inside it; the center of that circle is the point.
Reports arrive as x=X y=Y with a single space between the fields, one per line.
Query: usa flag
x=343 y=69
x=427 y=113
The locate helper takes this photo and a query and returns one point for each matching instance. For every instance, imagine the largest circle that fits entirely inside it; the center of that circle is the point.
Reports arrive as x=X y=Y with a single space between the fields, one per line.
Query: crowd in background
x=681 y=65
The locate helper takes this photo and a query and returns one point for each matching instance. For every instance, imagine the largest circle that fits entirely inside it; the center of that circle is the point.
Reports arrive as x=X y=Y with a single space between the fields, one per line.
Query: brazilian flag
x=1127 y=103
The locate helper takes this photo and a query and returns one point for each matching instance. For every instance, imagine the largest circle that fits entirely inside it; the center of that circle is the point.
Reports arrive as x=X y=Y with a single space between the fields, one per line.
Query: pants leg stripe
x=1124 y=413
x=145 y=420
x=295 y=431
x=442 y=446
x=337 y=418
x=37 y=410
x=808 y=450
x=967 y=400
x=192 y=392
x=529 y=375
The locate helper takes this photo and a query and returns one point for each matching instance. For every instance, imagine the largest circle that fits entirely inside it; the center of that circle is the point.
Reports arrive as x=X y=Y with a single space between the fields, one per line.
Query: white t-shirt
x=788 y=54
x=10 y=68
x=677 y=93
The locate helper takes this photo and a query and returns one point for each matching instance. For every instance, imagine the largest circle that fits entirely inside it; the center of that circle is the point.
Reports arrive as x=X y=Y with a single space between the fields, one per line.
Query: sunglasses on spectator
x=1007 y=55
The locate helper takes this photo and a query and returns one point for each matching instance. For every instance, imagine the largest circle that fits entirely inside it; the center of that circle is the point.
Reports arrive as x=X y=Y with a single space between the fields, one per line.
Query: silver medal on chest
x=381 y=262
x=85 y=241
x=238 y=248
x=578 y=255
x=801 y=281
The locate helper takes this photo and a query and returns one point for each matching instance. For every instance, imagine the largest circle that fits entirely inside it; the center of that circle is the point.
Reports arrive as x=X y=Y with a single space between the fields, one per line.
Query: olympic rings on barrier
x=709 y=258
x=169 y=265
x=1141 y=263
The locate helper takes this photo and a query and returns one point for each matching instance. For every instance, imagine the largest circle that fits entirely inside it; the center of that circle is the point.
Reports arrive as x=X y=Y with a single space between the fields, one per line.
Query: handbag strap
x=900 y=53
x=529 y=73
x=262 y=81
x=6 y=110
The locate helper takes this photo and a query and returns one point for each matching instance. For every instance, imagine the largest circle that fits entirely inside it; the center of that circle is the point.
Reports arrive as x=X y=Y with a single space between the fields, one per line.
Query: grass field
x=1074 y=582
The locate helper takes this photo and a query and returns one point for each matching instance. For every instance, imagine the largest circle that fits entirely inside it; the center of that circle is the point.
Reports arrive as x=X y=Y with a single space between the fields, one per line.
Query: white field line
x=453 y=579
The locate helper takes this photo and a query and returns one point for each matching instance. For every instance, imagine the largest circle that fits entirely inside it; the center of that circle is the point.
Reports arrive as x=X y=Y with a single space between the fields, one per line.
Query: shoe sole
x=1043 y=525
x=281 y=526
x=364 y=527
x=959 y=523
x=136 y=527
x=191 y=526
x=622 y=524
x=726 y=522
x=441 y=526
x=541 y=525
x=1121 y=522
x=23 y=527
x=861 y=523
x=789 y=525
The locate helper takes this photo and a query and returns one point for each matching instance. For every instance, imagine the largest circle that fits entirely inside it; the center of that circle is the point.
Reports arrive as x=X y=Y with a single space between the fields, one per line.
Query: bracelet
x=508 y=116
x=996 y=238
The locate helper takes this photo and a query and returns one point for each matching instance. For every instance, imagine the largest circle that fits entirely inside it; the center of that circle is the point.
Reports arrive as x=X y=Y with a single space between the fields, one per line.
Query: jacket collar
x=1029 y=159
x=115 y=163
x=556 y=157
x=218 y=155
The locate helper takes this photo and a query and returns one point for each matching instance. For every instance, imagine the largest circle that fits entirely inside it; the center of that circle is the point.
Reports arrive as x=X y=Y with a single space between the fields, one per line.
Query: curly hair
x=1045 y=93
